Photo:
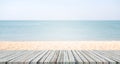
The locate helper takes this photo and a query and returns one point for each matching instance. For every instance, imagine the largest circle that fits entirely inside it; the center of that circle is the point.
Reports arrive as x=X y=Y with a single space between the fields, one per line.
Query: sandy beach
x=59 y=45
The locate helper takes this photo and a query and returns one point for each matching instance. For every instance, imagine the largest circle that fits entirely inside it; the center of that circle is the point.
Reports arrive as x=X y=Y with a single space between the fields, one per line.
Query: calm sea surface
x=59 y=30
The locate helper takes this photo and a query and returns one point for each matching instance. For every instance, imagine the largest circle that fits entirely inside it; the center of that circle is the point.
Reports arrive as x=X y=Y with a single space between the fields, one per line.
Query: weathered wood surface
x=60 y=57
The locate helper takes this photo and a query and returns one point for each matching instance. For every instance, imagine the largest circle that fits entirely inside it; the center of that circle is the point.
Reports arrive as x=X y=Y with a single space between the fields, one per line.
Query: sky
x=59 y=9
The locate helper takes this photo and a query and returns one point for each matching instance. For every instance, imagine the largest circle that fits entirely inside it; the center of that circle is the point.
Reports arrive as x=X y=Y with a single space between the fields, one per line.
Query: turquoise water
x=59 y=30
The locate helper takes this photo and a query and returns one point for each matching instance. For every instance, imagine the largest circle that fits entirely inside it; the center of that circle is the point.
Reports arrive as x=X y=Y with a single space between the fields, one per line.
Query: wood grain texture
x=60 y=57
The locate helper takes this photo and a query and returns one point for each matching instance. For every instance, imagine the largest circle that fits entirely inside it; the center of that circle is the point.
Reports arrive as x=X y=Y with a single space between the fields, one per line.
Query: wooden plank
x=41 y=61
x=90 y=60
x=66 y=59
x=21 y=58
x=10 y=57
x=85 y=61
x=39 y=57
x=113 y=52
x=109 y=56
x=28 y=59
x=104 y=57
x=49 y=58
x=77 y=58
x=93 y=57
x=4 y=54
x=116 y=52
x=60 y=57
x=71 y=57
x=55 y=57
x=97 y=59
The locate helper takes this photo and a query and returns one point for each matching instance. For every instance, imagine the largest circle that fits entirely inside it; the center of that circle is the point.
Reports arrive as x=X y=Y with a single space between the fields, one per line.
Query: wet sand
x=59 y=45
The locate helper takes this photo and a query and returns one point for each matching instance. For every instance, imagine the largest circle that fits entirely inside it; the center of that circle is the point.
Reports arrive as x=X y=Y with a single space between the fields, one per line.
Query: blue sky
x=59 y=9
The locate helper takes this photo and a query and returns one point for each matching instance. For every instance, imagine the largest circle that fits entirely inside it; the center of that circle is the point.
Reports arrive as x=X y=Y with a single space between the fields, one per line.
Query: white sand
x=59 y=45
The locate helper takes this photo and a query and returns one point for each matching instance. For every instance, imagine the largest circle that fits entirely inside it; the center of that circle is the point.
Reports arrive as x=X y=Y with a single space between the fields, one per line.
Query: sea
x=59 y=30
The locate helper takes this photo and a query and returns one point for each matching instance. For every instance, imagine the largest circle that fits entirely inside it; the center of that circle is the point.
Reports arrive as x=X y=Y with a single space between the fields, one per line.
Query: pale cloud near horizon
x=59 y=10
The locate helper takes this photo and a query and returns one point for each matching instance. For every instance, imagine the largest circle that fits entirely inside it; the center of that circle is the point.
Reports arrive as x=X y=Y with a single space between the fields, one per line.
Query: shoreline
x=59 y=45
